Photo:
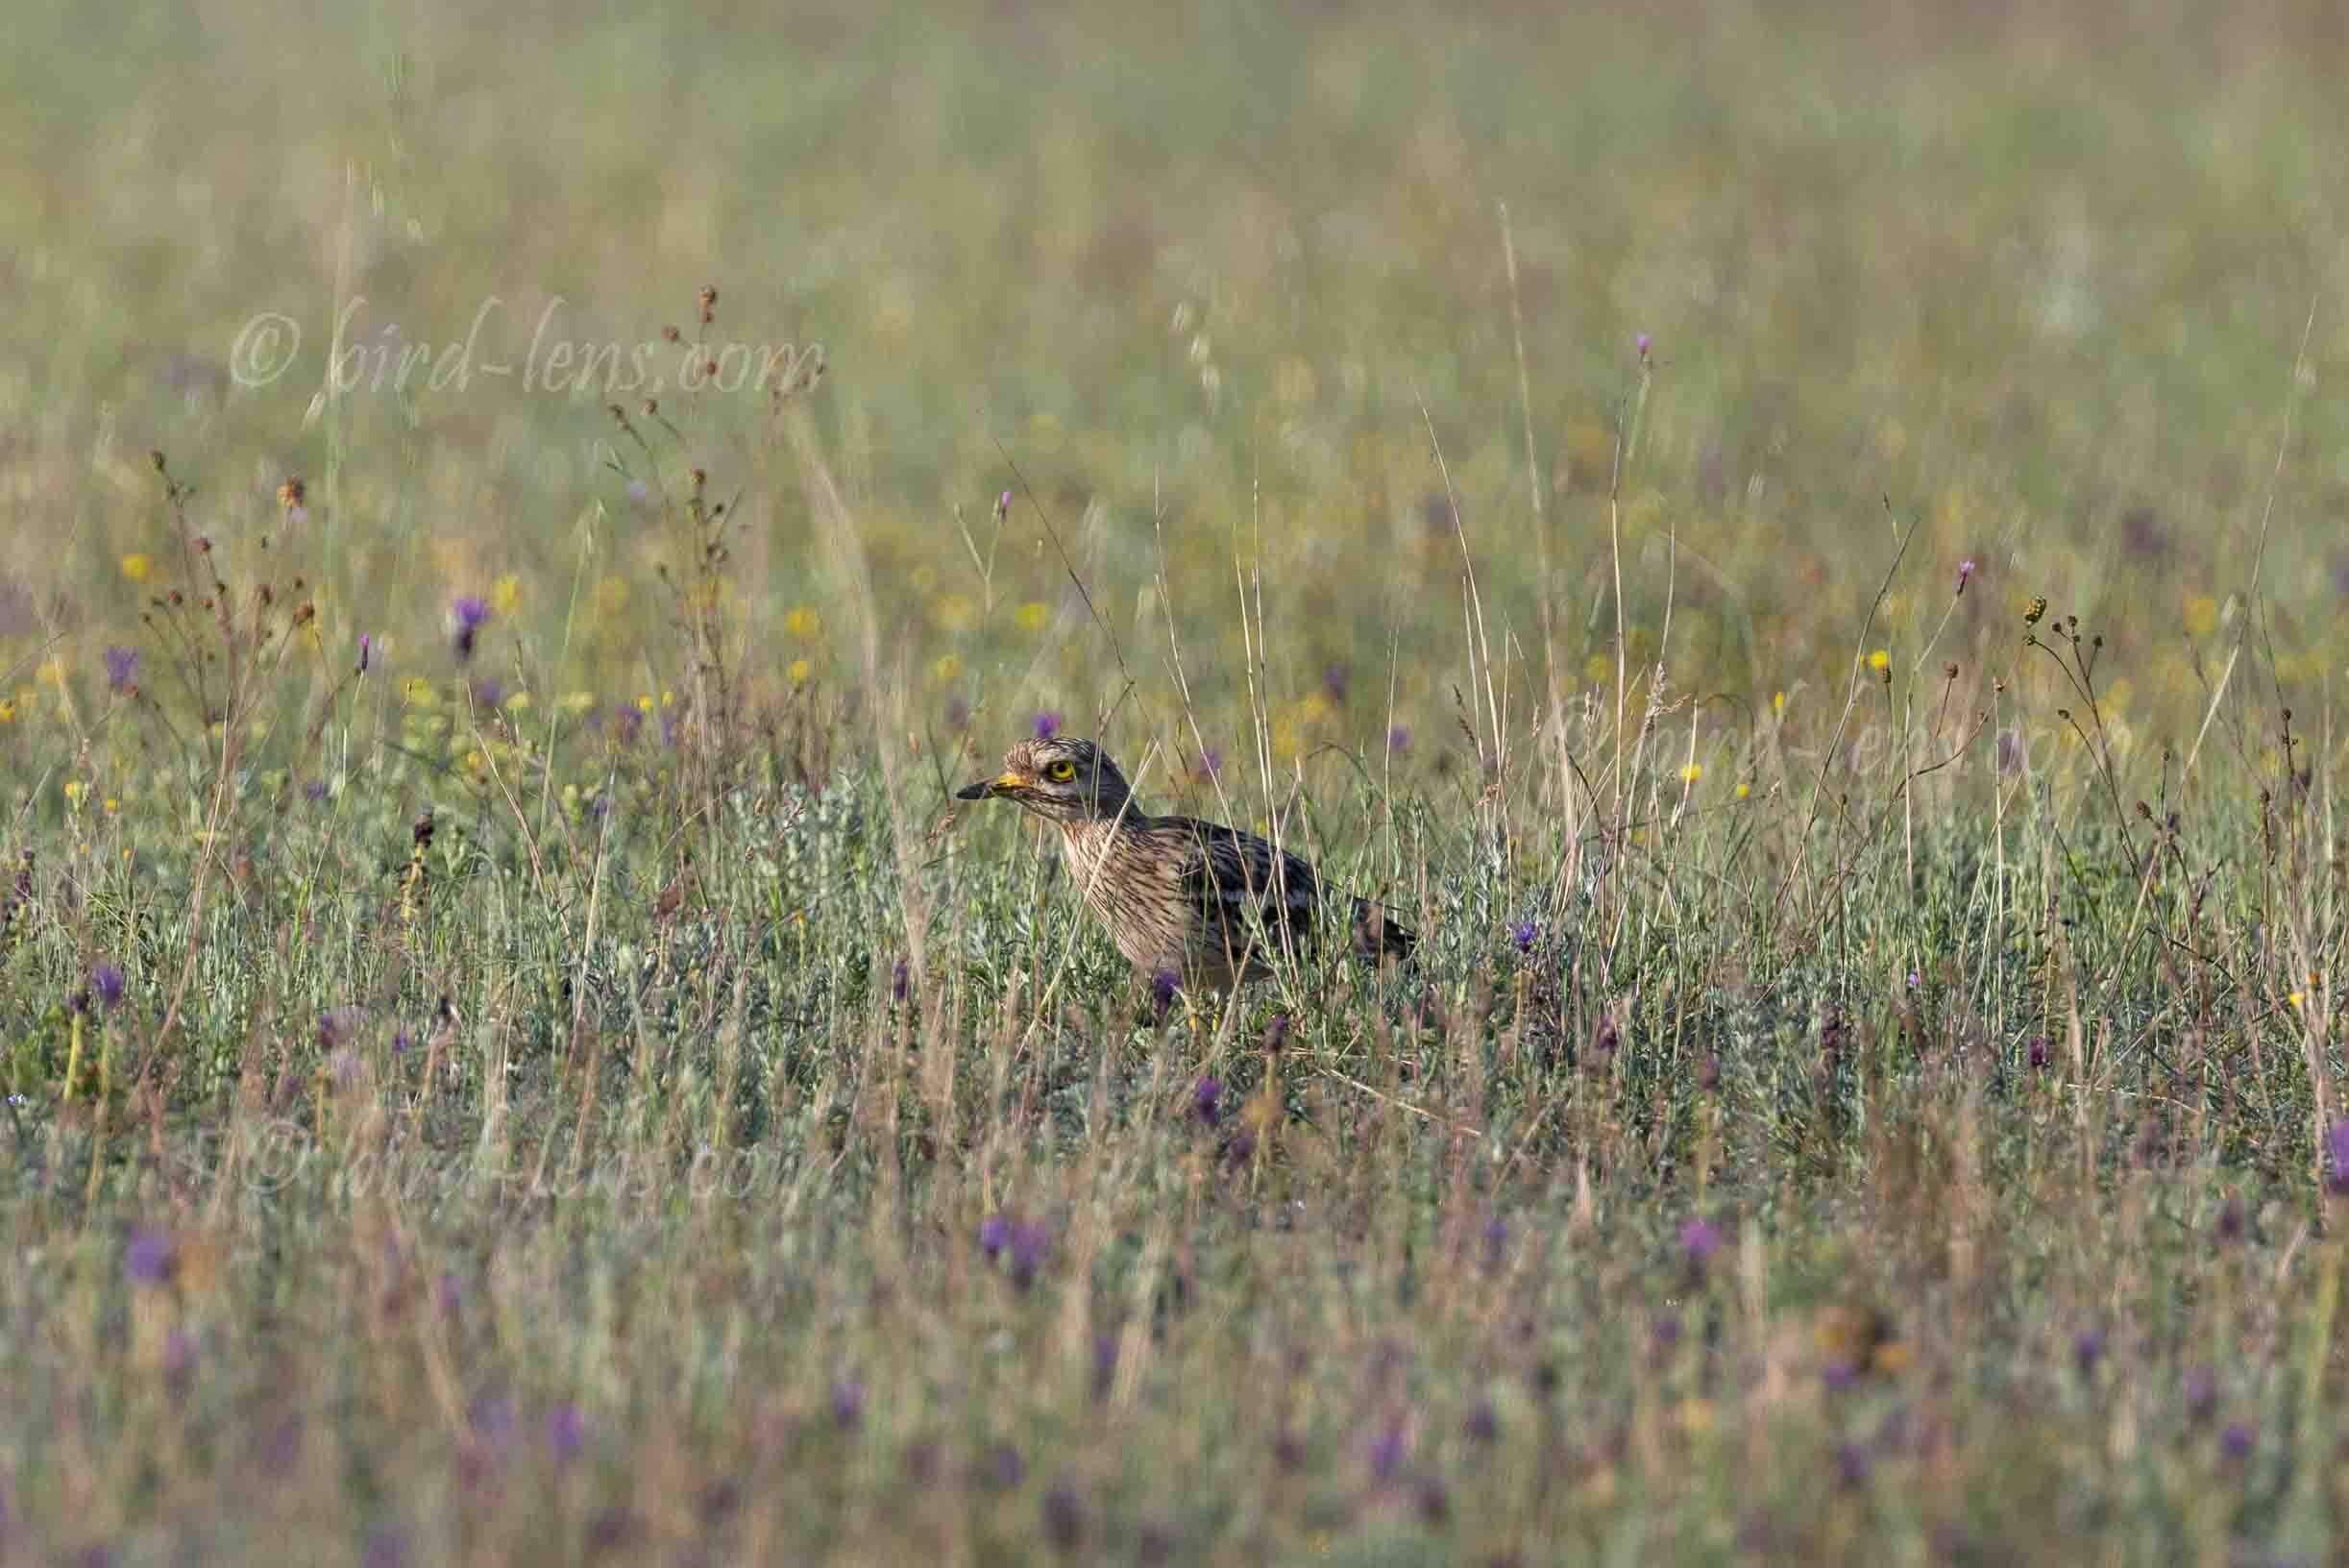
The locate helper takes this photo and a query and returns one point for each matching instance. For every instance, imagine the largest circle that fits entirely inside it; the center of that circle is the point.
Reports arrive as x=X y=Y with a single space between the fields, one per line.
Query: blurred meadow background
x=1801 y=545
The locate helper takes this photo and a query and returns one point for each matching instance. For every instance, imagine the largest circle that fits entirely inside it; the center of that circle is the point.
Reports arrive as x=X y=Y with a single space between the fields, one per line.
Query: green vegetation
x=1800 y=549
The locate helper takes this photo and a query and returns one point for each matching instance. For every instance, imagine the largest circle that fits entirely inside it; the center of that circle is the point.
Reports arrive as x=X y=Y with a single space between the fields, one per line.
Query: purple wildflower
x=1107 y=1348
x=150 y=1258
x=401 y=1040
x=386 y=1548
x=1483 y=1423
x=1206 y=1099
x=278 y=1447
x=1851 y=1465
x=2201 y=1392
x=1031 y=1245
x=847 y=1404
x=2236 y=1443
x=1047 y=725
x=1523 y=933
x=610 y=1529
x=2038 y=1054
x=1003 y=1468
x=2336 y=1157
x=2087 y=1350
x=317 y=791
x=1388 y=1450
x=489 y=693
x=1276 y=1033
x=1064 y=1517
x=1708 y=1073
x=1164 y=985
x=1399 y=740
x=958 y=712
x=367 y=648
x=121 y=668
x=1840 y=1376
x=1700 y=1239
x=900 y=980
x=1211 y=766
x=1496 y=1241
x=566 y=1430
x=1642 y=344
x=107 y=981
x=1964 y=573
x=491 y=1419
x=178 y=1356
x=994 y=1233
x=471 y=615
x=2230 y=1225
x=1335 y=679
x=1603 y=1043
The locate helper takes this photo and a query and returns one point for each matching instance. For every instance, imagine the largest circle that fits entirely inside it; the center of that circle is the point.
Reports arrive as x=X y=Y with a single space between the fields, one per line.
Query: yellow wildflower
x=803 y=622
x=800 y=671
x=1294 y=382
x=1032 y=616
x=135 y=567
x=505 y=593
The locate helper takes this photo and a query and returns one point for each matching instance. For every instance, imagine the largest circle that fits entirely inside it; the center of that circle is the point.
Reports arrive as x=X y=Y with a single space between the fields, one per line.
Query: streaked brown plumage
x=1205 y=903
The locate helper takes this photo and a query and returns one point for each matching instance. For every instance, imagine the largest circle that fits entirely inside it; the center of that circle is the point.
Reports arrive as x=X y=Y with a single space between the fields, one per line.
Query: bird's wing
x=1239 y=880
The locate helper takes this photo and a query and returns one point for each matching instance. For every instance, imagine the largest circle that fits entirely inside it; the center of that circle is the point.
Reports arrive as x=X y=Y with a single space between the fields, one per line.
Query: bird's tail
x=1378 y=935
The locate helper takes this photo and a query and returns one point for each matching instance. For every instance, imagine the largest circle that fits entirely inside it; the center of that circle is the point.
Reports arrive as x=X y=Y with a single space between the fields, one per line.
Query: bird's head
x=1065 y=780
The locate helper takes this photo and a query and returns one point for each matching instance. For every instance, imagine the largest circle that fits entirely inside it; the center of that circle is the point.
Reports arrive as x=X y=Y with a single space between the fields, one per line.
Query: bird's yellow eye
x=1061 y=772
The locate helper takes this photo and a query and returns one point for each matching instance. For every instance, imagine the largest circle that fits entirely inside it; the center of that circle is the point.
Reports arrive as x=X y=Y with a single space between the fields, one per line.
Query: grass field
x=1801 y=547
